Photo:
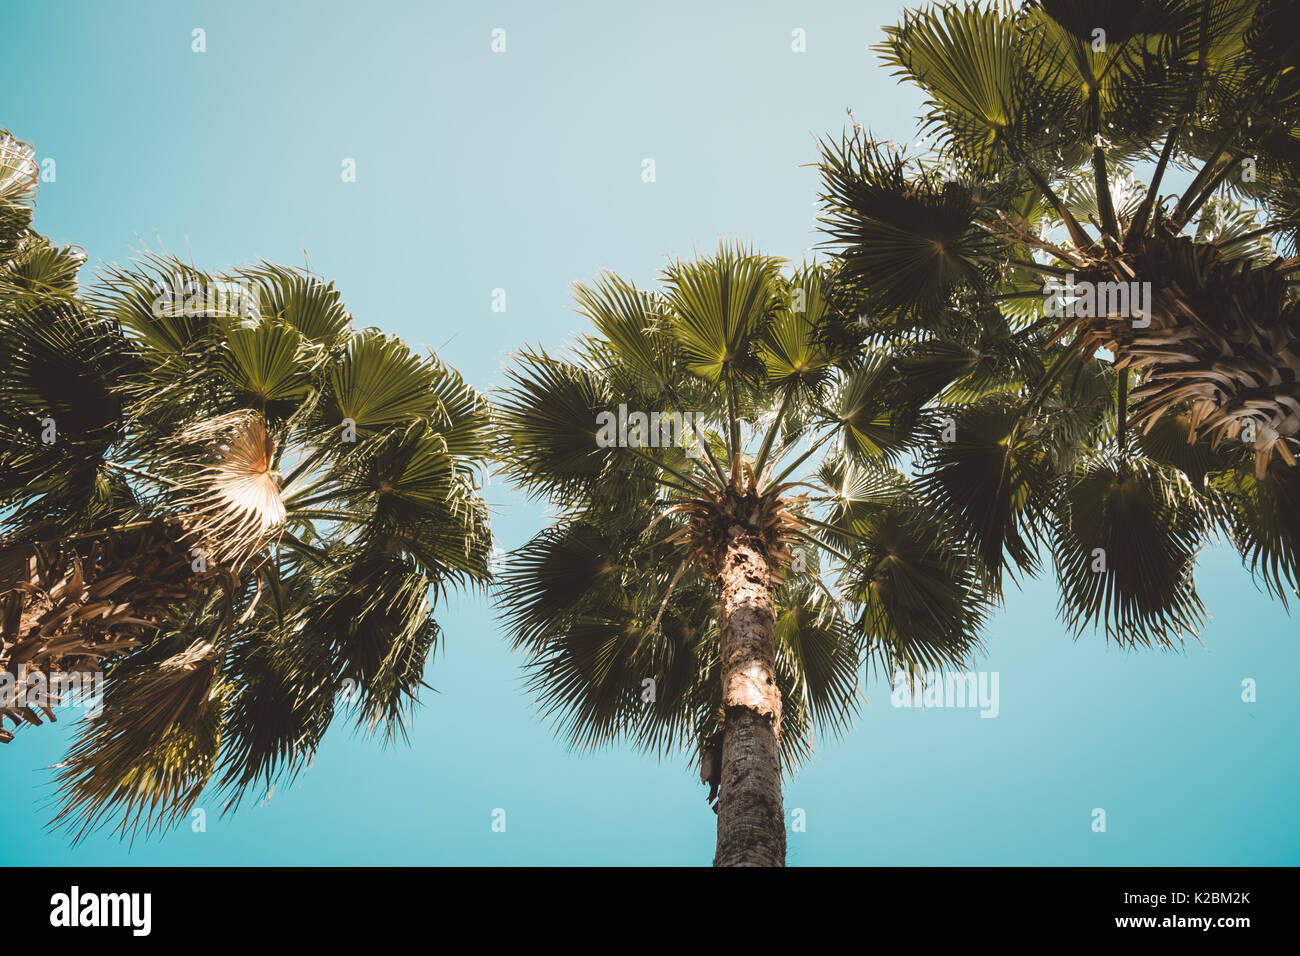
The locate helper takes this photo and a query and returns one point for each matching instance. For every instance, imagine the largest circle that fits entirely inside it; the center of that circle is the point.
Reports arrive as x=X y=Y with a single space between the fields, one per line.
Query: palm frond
x=1125 y=541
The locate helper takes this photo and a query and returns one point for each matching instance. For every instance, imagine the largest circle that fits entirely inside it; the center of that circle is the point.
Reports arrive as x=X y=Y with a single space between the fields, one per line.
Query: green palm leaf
x=1125 y=540
x=905 y=241
x=720 y=306
x=302 y=301
x=918 y=596
x=379 y=382
x=994 y=482
x=148 y=756
x=267 y=363
x=548 y=416
x=1263 y=518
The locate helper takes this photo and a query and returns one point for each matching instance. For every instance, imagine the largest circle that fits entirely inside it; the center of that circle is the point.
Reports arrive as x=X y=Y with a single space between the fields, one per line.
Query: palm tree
x=1174 y=312
x=219 y=492
x=720 y=592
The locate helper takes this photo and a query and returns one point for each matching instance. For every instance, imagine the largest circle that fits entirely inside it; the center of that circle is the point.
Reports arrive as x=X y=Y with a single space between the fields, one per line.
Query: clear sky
x=522 y=171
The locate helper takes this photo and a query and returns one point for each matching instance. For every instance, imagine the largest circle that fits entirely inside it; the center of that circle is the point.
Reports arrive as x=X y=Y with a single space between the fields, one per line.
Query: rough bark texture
x=751 y=817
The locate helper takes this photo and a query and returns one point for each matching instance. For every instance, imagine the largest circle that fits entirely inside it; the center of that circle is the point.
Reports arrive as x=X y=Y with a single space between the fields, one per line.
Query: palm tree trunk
x=751 y=818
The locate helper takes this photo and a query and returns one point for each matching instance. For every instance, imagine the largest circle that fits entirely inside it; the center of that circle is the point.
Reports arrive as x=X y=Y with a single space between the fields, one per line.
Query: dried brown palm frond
x=232 y=505
x=1222 y=336
x=72 y=605
x=153 y=749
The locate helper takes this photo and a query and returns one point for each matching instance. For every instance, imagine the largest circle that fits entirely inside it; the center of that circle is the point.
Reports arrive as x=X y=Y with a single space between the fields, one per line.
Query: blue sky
x=522 y=171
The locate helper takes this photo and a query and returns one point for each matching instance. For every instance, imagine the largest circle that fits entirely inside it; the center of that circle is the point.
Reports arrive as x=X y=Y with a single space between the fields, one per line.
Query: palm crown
x=234 y=502
x=1006 y=272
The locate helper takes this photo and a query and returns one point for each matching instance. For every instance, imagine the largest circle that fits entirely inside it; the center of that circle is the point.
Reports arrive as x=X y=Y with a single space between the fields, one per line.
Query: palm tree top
x=231 y=500
x=794 y=449
x=1003 y=267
